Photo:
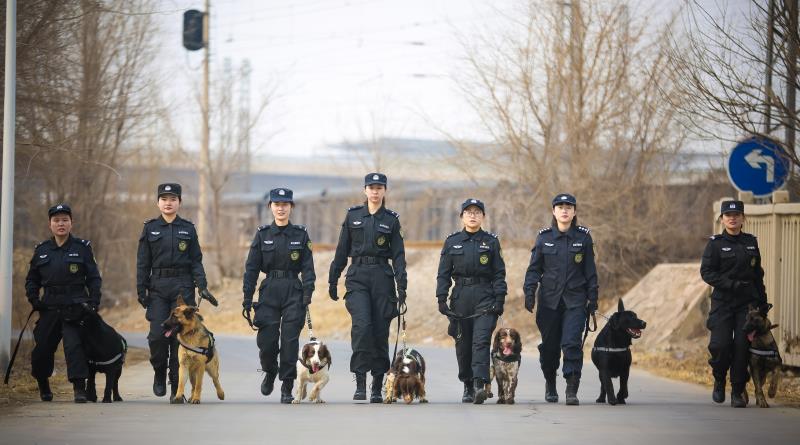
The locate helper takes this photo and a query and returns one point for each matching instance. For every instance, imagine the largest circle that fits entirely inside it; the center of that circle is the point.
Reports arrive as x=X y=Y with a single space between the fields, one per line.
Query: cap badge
x=375 y=177
x=168 y=188
x=59 y=207
x=563 y=198
x=281 y=192
x=474 y=201
x=733 y=206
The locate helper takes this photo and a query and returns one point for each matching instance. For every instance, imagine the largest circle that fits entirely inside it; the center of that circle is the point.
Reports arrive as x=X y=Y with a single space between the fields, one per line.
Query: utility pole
x=768 y=69
x=7 y=211
x=791 y=76
x=244 y=119
x=204 y=192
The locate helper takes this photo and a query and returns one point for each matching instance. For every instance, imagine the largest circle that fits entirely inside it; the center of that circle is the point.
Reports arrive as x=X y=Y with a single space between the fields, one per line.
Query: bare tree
x=740 y=80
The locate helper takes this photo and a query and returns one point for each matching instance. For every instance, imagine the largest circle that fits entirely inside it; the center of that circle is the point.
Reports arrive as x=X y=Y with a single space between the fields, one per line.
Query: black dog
x=105 y=350
x=612 y=355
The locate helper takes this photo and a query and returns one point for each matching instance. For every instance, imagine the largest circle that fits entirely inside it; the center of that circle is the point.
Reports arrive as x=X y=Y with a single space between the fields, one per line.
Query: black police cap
x=731 y=206
x=375 y=178
x=473 y=202
x=564 y=198
x=280 y=195
x=169 y=188
x=59 y=208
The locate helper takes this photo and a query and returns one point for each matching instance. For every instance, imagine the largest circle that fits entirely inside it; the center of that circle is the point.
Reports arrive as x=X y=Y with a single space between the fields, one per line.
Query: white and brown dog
x=506 y=359
x=312 y=367
x=406 y=378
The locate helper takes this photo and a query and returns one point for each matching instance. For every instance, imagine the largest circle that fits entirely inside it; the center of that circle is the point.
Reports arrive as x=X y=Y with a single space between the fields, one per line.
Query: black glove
x=530 y=302
x=498 y=308
x=591 y=306
x=443 y=309
x=36 y=304
x=206 y=295
x=247 y=305
x=333 y=291
x=764 y=308
x=401 y=296
x=306 y=300
x=144 y=300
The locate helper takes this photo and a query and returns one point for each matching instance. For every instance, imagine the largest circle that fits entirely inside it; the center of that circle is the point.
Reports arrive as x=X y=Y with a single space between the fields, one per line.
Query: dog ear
x=773 y=326
x=620 y=306
x=180 y=300
x=517 y=341
x=496 y=341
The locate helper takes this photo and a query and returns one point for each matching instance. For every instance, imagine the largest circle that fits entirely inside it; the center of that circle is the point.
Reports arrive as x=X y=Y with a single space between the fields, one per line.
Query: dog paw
x=763 y=404
x=194 y=401
x=295 y=401
x=221 y=395
x=621 y=401
x=106 y=400
x=423 y=400
x=509 y=401
x=117 y=399
x=501 y=402
x=600 y=400
x=612 y=401
x=319 y=401
x=177 y=400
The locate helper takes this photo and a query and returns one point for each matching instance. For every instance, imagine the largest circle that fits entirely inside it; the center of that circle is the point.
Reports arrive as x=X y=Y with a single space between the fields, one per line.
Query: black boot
x=718 y=395
x=738 y=400
x=480 y=391
x=469 y=393
x=79 y=388
x=550 y=393
x=573 y=382
x=375 y=391
x=268 y=384
x=44 y=390
x=160 y=382
x=173 y=387
x=286 y=391
x=361 y=387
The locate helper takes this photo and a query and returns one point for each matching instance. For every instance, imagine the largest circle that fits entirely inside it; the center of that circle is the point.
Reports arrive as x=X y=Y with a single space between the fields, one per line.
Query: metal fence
x=777 y=227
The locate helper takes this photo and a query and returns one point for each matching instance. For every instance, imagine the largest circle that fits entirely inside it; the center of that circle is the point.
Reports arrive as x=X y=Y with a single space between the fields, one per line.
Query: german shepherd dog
x=764 y=355
x=506 y=360
x=105 y=351
x=406 y=378
x=612 y=355
x=196 y=351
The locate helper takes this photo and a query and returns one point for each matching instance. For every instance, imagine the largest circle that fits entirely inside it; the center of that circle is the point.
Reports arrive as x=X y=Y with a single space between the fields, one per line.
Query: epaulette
x=545 y=230
x=187 y=220
x=301 y=227
x=713 y=237
x=262 y=227
x=492 y=235
x=40 y=244
x=392 y=212
x=583 y=229
x=454 y=233
x=149 y=220
x=85 y=242
x=355 y=208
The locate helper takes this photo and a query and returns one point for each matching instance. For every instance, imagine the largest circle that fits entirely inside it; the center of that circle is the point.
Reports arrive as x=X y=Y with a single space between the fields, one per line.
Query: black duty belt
x=370 y=260
x=471 y=281
x=168 y=272
x=282 y=274
x=65 y=289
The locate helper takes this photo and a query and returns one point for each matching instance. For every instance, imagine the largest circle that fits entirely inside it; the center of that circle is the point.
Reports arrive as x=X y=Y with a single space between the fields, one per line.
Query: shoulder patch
x=545 y=230
x=713 y=237
x=187 y=220
x=492 y=235
x=301 y=227
x=149 y=220
x=262 y=227
x=454 y=233
x=355 y=208
x=40 y=244
x=583 y=229
x=85 y=242
x=392 y=212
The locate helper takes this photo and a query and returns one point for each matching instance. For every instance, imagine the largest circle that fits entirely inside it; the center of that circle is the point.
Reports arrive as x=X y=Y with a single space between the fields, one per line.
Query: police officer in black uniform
x=282 y=251
x=473 y=260
x=371 y=236
x=65 y=267
x=169 y=263
x=562 y=261
x=732 y=266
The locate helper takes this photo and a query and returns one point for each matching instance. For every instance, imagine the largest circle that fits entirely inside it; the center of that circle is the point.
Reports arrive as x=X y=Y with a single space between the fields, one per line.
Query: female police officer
x=371 y=236
x=282 y=251
x=64 y=266
x=562 y=260
x=472 y=258
x=732 y=265
x=168 y=263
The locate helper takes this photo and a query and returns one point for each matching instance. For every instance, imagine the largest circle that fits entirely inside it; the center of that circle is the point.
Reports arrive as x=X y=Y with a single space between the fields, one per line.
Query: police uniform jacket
x=367 y=235
x=273 y=249
x=68 y=273
x=172 y=247
x=732 y=265
x=477 y=256
x=562 y=265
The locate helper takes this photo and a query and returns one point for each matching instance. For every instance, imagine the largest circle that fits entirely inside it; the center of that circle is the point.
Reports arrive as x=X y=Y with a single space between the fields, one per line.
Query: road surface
x=659 y=411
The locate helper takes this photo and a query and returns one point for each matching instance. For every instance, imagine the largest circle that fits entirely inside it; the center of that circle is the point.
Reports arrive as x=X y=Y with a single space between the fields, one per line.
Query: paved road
x=659 y=411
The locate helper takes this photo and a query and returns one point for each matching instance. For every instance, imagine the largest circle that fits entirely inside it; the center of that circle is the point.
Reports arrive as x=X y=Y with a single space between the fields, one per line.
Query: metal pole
x=768 y=73
x=791 y=76
x=203 y=207
x=7 y=211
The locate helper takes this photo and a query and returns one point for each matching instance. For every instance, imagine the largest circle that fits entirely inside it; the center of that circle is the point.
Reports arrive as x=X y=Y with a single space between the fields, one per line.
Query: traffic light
x=193 y=29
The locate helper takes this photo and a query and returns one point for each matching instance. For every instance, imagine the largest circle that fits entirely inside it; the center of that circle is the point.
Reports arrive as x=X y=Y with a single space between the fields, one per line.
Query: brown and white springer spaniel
x=312 y=367
x=506 y=359
x=406 y=378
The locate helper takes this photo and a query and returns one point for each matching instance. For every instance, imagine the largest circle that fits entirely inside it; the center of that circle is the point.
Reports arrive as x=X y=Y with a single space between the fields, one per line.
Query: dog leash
x=587 y=329
x=246 y=315
x=311 y=337
x=16 y=348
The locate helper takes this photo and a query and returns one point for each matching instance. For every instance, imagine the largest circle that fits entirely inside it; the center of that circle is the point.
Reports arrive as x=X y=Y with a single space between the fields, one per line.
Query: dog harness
x=116 y=357
x=207 y=351
x=507 y=358
x=602 y=349
x=765 y=352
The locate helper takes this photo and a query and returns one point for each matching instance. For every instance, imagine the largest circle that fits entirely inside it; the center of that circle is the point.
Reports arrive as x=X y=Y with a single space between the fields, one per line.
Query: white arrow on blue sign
x=757 y=165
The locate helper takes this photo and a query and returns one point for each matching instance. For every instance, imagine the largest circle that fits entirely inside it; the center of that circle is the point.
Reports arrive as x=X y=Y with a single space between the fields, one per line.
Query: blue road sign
x=757 y=165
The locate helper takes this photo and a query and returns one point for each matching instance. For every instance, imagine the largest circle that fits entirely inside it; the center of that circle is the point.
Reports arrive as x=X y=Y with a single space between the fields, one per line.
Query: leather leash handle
x=16 y=348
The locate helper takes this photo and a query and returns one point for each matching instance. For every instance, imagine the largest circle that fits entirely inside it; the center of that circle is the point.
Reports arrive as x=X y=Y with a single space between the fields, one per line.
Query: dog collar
x=507 y=358
x=602 y=349
x=764 y=352
x=115 y=358
x=310 y=369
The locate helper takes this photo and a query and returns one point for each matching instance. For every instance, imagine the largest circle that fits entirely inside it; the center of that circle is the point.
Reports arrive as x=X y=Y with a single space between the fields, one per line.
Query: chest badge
x=752 y=262
x=73 y=268
x=295 y=255
x=182 y=245
x=578 y=258
x=381 y=240
x=484 y=259
x=309 y=245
